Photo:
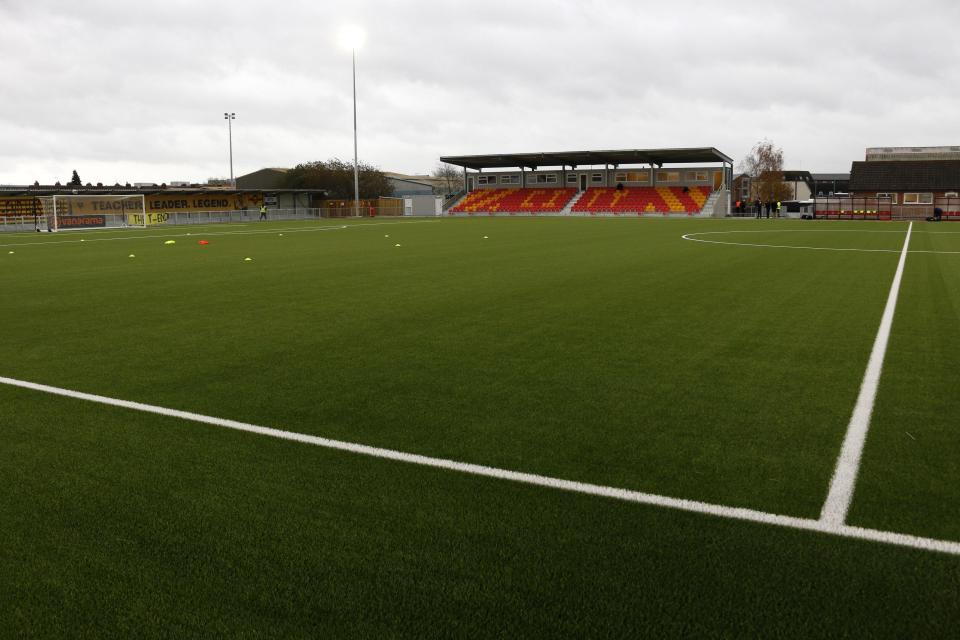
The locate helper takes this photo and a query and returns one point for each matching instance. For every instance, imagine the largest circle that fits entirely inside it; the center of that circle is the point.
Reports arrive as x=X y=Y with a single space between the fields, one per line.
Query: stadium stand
x=525 y=200
x=642 y=200
x=652 y=181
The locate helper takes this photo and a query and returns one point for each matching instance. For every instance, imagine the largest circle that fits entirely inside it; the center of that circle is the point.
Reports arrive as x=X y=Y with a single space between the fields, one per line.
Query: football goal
x=92 y=211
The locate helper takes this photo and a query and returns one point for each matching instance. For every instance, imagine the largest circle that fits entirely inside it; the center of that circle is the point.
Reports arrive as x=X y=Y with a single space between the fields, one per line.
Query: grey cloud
x=140 y=87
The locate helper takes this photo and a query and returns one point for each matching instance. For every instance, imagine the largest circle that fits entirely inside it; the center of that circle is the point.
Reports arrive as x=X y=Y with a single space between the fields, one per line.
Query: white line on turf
x=787 y=246
x=271 y=231
x=113 y=230
x=837 y=504
x=693 y=237
x=627 y=495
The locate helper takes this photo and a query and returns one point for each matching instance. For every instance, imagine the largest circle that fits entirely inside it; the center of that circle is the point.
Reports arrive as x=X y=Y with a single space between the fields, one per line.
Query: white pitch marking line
x=627 y=495
x=692 y=238
x=134 y=236
x=837 y=504
x=738 y=231
x=171 y=235
x=788 y=246
x=110 y=230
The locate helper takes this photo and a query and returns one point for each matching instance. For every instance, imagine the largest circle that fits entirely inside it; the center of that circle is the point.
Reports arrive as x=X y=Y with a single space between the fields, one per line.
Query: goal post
x=93 y=211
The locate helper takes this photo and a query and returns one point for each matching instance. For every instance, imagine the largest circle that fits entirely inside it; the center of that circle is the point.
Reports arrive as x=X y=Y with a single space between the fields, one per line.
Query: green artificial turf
x=911 y=470
x=120 y=524
x=603 y=350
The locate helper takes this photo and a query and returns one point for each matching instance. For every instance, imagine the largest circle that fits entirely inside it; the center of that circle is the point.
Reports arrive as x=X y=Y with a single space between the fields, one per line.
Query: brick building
x=912 y=187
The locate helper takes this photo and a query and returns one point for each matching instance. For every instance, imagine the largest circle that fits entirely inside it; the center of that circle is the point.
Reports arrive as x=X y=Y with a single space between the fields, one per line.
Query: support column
x=728 y=178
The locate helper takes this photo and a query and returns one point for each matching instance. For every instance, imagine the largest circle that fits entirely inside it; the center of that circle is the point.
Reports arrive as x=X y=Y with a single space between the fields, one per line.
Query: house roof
x=905 y=175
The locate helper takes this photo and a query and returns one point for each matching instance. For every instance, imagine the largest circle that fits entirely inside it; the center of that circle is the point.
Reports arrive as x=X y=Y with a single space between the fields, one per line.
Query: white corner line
x=626 y=495
x=844 y=479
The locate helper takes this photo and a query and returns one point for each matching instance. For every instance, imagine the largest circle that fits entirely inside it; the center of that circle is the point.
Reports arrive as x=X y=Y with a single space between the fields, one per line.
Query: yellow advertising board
x=183 y=202
x=136 y=219
x=20 y=206
x=154 y=204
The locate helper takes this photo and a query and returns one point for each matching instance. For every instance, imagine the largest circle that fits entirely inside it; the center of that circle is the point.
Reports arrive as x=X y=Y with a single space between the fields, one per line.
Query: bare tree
x=764 y=165
x=452 y=177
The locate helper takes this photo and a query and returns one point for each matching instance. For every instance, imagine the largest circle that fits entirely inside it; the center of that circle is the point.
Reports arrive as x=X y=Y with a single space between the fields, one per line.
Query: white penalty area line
x=626 y=495
x=134 y=236
x=837 y=505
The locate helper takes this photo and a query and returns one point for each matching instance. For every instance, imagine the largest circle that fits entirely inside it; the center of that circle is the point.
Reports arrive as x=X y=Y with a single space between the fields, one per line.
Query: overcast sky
x=136 y=91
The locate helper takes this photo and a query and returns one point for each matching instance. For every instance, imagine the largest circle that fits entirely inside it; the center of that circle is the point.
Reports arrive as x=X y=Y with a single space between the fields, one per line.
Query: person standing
x=758 y=207
x=263 y=211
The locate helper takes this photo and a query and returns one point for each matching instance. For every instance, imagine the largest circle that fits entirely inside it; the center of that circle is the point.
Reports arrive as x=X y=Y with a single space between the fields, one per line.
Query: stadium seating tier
x=593 y=200
x=643 y=200
x=524 y=200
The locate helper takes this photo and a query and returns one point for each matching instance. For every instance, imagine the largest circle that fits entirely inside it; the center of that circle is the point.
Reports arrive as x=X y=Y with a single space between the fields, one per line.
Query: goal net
x=92 y=211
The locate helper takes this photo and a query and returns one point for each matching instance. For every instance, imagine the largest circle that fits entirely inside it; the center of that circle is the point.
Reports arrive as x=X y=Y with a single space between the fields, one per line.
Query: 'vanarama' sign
x=81 y=222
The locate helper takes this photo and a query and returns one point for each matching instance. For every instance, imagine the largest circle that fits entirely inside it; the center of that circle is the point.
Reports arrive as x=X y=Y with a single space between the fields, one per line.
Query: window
x=918 y=198
x=892 y=196
x=668 y=176
x=951 y=194
x=487 y=180
x=571 y=178
x=546 y=178
x=632 y=176
x=596 y=178
x=510 y=179
x=696 y=176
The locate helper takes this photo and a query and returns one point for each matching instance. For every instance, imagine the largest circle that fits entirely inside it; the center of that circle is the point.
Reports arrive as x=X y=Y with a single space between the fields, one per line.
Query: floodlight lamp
x=352 y=37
